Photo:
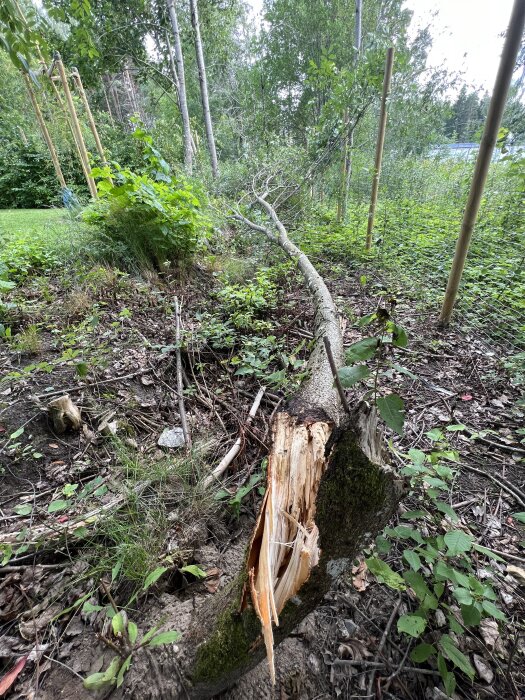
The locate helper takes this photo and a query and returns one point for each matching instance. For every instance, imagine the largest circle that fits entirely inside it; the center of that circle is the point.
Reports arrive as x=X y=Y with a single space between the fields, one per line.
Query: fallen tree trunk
x=328 y=490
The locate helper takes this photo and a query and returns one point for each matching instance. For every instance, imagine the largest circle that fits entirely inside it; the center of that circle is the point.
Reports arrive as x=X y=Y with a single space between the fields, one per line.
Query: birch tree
x=201 y=67
x=183 y=103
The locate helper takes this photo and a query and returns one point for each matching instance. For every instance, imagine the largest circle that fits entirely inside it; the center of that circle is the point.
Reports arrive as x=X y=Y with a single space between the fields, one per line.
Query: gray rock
x=171 y=437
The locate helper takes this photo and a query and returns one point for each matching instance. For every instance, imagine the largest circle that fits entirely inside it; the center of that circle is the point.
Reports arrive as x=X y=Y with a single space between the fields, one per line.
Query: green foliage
x=124 y=638
x=438 y=569
x=380 y=349
x=150 y=219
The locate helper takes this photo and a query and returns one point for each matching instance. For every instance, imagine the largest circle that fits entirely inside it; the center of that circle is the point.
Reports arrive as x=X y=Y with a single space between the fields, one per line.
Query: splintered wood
x=285 y=547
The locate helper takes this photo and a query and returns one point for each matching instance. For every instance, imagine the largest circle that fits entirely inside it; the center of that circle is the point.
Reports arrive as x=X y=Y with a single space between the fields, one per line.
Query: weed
x=28 y=341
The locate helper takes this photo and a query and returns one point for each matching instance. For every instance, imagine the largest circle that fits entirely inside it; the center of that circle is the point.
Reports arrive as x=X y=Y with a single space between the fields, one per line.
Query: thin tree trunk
x=346 y=167
x=201 y=66
x=179 y=60
x=176 y=83
x=379 y=146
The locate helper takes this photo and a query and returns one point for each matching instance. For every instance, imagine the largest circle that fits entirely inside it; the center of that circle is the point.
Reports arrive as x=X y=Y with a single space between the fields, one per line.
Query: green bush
x=145 y=221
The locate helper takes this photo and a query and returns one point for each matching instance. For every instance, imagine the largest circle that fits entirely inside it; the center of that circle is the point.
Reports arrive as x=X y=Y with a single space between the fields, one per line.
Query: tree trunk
x=201 y=66
x=179 y=60
x=346 y=164
x=176 y=83
x=328 y=490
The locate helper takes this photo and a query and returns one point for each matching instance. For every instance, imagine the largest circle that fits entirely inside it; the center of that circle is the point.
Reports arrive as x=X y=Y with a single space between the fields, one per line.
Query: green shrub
x=146 y=218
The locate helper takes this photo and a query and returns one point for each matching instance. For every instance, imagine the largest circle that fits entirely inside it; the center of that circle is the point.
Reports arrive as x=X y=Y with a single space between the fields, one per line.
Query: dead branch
x=180 y=395
x=236 y=447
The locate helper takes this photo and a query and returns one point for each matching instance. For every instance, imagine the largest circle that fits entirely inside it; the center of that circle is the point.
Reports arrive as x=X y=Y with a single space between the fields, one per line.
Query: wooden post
x=78 y=83
x=75 y=124
x=380 y=144
x=486 y=149
x=45 y=132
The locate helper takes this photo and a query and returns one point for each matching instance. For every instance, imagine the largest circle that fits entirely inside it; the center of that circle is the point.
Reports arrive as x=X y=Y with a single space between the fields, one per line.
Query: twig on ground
x=71 y=389
x=518 y=495
x=236 y=447
x=383 y=642
x=182 y=410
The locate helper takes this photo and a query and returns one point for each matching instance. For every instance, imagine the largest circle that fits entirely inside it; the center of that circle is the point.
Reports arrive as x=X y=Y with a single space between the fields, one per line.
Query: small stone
x=171 y=437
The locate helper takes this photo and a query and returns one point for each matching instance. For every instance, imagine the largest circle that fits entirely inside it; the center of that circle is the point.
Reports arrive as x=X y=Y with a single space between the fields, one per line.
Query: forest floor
x=103 y=507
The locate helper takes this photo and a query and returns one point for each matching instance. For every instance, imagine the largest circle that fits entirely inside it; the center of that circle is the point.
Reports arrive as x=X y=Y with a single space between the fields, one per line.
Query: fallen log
x=328 y=490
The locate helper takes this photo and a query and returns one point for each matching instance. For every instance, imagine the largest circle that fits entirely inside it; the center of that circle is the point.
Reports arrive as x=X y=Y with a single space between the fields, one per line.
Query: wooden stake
x=486 y=149
x=75 y=124
x=380 y=143
x=78 y=83
x=45 y=132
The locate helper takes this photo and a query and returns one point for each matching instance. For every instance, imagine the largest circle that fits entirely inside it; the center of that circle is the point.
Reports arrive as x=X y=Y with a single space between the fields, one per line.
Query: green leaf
x=384 y=574
x=17 y=433
x=362 y=350
x=125 y=667
x=458 y=542
x=383 y=545
x=57 y=505
x=116 y=570
x=451 y=652
x=193 y=570
x=418 y=457
x=154 y=576
x=456 y=428
x=90 y=608
x=117 y=624
x=399 y=337
x=391 y=408
x=422 y=652
x=110 y=673
x=424 y=595
x=81 y=369
x=447 y=510
x=449 y=679
x=471 y=615
x=493 y=611
x=95 y=681
x=412 y=559
x=23 y=509
x=462 y=595
x=435 y=435
x=411 y=624
x=133 y=631
x=164 y=638
x=352 y=375
x=520 y=517
x=366 y=320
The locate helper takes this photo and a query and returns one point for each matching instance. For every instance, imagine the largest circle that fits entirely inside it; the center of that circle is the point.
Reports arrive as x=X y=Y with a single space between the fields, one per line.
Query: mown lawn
x=16 y=222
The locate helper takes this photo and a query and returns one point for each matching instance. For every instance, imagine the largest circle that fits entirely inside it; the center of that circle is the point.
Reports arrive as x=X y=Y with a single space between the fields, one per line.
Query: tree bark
x=201 y=66
x=328 y=490
x=179 y=60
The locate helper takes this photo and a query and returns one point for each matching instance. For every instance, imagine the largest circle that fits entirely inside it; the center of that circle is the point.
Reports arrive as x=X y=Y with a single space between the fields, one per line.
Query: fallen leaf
x=7 y=681
x=484 y=671
x=359 y=576
x=490 y=632
x=516 y=571
x=212 y=581
x=53 y=445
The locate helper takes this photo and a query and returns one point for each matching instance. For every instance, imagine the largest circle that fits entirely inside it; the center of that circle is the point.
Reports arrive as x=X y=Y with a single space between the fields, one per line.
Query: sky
x=466 y=35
